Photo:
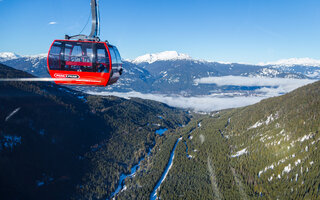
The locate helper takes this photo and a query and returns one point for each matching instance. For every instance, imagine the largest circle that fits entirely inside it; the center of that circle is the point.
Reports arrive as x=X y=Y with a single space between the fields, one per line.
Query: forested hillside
x=268 y=151
x=56 y=143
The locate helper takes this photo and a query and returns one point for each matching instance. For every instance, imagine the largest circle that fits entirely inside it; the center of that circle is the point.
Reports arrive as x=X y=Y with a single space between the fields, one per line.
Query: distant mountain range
x=175 y=73
x=35 y=65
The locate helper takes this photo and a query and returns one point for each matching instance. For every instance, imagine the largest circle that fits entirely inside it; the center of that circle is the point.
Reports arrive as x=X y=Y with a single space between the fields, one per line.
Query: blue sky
x=249 y=31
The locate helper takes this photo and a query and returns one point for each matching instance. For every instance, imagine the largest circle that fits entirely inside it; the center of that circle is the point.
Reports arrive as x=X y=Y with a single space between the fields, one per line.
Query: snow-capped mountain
x=294 y=62
x=4 y=56
x=33 y=64
x=162 y=56
x=171 y=72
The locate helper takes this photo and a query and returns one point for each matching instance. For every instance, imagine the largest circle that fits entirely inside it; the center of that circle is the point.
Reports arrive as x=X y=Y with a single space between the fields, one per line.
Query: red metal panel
x=80 y=78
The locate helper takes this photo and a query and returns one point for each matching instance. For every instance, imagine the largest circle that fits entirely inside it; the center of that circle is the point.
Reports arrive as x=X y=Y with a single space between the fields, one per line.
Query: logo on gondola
x=72 y=76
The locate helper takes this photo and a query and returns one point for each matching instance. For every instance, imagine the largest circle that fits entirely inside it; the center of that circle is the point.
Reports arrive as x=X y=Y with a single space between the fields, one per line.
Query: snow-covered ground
x=269 y=119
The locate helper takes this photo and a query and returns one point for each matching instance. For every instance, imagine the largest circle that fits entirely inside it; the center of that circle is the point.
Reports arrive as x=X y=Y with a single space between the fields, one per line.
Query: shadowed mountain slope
x=56 y=143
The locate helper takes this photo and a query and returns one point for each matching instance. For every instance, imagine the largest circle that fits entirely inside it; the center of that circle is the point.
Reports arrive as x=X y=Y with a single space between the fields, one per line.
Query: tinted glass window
x=79 y=56
x=117 y=55
x=76 y=54
x=89 y=54
x=113 y=55
x=55 y=50
x=54 y=56
x=67 y=52
x=101 y=56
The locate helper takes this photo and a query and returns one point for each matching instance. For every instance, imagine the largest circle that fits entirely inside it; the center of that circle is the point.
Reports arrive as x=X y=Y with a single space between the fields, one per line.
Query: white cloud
x=253 y=81
x=215 y=102
x=52 y=23
x=197 y=103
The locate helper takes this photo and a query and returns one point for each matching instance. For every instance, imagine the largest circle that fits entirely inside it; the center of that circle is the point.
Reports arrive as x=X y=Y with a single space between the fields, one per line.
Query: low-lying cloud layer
x=270 y=87
x=198 y=103
x=253 y=81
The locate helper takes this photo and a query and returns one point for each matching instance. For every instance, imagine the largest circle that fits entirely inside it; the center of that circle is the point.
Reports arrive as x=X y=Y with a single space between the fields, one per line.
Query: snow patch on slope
x=239 y=153
x=269 y=119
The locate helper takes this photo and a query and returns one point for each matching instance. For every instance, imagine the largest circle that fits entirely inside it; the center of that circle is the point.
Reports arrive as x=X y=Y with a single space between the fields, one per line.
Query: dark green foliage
x=283 y=143
x=86 y=145
x=72 y=147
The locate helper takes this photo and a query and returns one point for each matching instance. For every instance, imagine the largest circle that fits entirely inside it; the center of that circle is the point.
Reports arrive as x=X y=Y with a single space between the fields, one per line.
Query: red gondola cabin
x=82 y=62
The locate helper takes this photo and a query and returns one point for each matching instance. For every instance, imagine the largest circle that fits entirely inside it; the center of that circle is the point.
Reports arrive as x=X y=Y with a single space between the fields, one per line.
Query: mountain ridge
x=174 y=55
x=162 y=56
x=293 y=62
x=178 y=76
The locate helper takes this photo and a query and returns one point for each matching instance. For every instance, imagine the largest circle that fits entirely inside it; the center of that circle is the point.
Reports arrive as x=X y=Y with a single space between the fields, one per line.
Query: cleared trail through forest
x=215 y=189
x=239 y=184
